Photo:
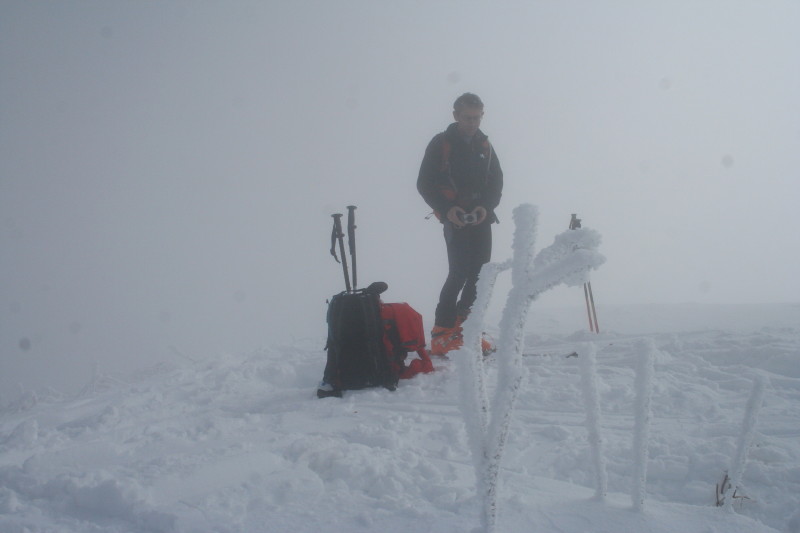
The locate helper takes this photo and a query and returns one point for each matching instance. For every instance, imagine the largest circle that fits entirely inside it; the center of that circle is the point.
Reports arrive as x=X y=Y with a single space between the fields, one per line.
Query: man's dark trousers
x=468 y=249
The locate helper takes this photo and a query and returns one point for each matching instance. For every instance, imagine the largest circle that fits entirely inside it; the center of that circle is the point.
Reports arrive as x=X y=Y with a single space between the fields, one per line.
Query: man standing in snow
x=461 y=180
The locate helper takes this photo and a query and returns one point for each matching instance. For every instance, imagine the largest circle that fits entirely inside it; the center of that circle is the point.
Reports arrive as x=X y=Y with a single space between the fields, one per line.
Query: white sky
x=168 y=169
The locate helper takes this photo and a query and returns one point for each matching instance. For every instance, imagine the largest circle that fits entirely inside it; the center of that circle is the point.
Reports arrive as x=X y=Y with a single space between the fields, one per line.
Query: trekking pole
x=338 y=235
x=588 y=309
x=351 y=239
x=594 y=311
x=575 y=223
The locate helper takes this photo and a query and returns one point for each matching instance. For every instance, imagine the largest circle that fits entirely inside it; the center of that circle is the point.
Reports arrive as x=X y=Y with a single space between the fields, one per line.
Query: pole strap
x=335 y=234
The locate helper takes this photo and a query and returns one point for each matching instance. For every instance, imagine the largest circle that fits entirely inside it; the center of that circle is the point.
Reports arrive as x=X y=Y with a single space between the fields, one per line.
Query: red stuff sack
x=403 y=332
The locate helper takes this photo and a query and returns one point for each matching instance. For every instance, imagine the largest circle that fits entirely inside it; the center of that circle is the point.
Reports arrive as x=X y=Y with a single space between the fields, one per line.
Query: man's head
x=468 y=112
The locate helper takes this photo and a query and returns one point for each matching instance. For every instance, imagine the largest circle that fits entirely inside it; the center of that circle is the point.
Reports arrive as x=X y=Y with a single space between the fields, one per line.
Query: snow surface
x=239 y=443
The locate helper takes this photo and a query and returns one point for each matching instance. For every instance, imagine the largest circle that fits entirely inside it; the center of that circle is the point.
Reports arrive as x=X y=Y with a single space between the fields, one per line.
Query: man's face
x=468 y=119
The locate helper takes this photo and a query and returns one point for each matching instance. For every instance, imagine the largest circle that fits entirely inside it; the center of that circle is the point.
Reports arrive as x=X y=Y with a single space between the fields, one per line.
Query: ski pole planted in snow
x=575 y=223
x=593 y=317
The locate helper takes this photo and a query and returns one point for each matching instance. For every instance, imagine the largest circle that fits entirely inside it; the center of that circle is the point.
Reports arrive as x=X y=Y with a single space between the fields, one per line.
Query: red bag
x=404 y=333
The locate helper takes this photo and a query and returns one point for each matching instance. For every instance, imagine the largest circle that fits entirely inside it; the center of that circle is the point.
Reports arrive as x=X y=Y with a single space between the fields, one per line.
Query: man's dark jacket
x=454 y=172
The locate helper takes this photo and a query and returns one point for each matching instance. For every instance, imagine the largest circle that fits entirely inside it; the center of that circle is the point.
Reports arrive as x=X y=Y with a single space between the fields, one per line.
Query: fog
x=168 y=170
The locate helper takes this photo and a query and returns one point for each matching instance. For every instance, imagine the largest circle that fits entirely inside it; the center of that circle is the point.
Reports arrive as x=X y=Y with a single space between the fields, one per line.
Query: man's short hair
x=467 y=100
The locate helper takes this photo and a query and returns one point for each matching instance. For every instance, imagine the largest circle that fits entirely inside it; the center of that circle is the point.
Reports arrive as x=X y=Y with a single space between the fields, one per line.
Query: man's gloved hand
x=480 y=214
x=455 y=215
x=460 y=218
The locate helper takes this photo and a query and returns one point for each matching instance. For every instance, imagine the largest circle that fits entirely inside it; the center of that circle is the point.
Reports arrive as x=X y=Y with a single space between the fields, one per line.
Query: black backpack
x=357 y=354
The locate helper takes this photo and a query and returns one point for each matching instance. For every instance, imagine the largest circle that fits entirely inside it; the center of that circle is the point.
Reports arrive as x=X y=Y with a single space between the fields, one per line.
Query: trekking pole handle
x=336 y=233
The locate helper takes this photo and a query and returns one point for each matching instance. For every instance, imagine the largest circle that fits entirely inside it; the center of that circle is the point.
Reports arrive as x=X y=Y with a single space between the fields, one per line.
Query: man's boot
x=445 y=340
x=487 y=346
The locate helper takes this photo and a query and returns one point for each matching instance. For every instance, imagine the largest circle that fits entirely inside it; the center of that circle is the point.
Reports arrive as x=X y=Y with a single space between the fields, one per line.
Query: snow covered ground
x=239 y=443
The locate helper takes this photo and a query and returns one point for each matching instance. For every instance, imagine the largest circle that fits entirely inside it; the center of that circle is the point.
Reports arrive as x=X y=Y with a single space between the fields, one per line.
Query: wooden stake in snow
x=591 y=401
x=745 y=440
x=641 y=434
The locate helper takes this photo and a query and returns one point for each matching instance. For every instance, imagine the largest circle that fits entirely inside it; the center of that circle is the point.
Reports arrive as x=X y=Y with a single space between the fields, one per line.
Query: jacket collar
x=453 y=135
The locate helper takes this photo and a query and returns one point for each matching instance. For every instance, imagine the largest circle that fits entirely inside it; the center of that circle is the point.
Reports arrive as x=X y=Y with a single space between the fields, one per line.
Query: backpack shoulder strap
x=487 y=152
x=446 y=147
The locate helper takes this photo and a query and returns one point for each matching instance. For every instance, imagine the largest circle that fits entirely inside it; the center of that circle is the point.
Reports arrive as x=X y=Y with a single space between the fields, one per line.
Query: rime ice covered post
x=509 y=348
x=591 y=401
x=641 y=433
x=472 y=332
x=745 y=439
x=474 y=400
x=568 y=260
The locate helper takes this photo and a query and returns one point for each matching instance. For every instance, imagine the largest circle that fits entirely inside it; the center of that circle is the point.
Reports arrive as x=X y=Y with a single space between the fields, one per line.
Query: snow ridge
x=239 y=443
